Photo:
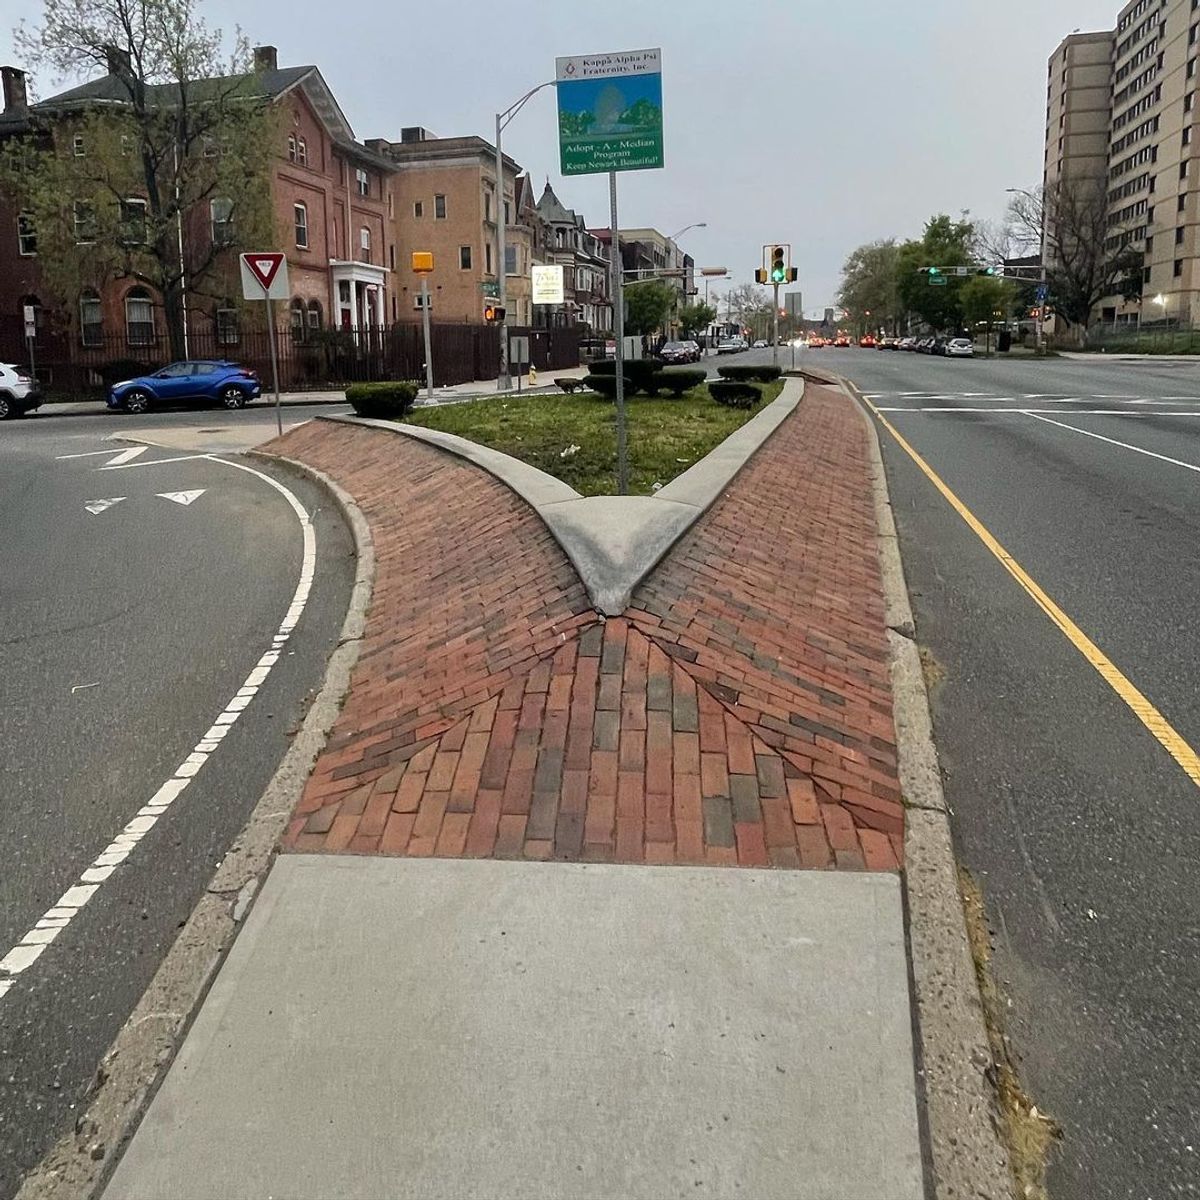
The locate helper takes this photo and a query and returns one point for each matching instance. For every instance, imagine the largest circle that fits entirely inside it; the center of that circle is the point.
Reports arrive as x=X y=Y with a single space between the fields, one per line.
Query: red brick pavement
x=738 y=714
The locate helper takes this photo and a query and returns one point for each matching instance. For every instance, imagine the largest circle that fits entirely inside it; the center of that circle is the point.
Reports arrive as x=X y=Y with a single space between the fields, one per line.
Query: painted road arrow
x=184 y=498
x=96 y=507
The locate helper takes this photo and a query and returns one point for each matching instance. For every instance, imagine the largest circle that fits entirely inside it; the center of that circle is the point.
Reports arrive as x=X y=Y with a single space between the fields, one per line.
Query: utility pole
x=503 y=379
x=428 y=339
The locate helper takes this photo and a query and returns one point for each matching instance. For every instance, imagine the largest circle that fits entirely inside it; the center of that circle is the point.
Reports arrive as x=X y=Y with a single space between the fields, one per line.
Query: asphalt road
x=1081 y=829
x=124 y=633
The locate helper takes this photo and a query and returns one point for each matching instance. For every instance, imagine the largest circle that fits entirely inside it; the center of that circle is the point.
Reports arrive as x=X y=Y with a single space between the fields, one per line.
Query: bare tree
x=109 y=185
x=1085 y=256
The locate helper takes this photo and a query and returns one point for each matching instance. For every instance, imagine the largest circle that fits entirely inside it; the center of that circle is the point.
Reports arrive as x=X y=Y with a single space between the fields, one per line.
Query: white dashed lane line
x=57 y=918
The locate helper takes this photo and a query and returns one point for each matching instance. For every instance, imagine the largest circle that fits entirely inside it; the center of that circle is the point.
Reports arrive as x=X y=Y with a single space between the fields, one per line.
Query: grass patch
x=1030 y=1133
x=665 y=436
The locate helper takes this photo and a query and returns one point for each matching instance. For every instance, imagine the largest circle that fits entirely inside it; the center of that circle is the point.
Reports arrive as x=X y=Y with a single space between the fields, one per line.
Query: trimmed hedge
x=639 y=372
x=606 y=385
x=734 y=393
x=746 y=373
x=386 y=401
x=678 y=380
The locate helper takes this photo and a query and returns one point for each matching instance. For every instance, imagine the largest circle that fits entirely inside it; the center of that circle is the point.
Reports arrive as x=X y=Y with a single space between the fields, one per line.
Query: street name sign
x=610 y=112
x=547 y=284
x=264 y=276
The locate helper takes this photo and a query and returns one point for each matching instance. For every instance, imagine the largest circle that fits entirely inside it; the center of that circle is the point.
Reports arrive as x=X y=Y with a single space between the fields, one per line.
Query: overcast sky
x=825 y=130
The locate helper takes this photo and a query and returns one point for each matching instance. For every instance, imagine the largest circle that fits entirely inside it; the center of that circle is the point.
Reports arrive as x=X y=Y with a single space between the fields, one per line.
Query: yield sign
x=184 y=498
x=264 y=275
x=264 y=267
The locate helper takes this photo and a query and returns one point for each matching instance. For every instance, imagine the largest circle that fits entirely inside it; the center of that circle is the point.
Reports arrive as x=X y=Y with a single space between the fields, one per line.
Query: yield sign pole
x=263 y=268
x=274 y=359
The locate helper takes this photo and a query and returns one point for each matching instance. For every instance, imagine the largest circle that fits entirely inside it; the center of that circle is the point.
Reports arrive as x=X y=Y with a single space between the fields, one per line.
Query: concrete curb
x=969 y=1159
x=614 y=542
x=78 y=1166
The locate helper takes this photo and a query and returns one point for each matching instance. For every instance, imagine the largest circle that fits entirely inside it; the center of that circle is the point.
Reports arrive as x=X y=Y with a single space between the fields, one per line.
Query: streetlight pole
x=503 y=382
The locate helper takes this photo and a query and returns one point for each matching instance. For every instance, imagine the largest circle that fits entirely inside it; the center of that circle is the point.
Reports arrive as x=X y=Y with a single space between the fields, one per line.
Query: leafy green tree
x=695 y=318
x=648 y=306
x=985 y=300
x=182 y=157
x=870 y=285
x=946 y=244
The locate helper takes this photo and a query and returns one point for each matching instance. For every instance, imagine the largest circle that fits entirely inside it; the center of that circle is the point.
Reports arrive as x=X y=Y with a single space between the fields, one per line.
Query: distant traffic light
x=933 y=270
x=996 y=272
x=779 y=269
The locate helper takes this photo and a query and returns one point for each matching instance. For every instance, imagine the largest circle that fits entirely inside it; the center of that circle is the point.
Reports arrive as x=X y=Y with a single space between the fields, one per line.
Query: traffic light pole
x=428 y=339
x=775 y=331
x=503 y=380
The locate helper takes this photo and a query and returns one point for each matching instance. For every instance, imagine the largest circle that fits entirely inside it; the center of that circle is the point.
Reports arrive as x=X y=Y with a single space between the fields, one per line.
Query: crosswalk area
x=950 y=403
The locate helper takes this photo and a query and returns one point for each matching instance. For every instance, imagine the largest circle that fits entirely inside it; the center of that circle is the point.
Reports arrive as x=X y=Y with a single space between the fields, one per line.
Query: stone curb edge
x=614 y=542
x=969 y=1158
x=79 y=1165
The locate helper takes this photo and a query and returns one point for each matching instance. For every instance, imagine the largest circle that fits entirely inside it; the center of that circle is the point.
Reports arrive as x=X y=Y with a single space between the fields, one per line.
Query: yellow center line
x=1150 y=717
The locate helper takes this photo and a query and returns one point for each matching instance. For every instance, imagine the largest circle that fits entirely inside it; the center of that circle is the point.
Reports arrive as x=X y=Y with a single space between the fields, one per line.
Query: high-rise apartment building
x=1121 y=116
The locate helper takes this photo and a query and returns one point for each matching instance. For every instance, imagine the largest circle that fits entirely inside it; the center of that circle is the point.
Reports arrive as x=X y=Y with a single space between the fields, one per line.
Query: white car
x=731 y=345
x=761 y=345
x=19 y=393
x=959 y=348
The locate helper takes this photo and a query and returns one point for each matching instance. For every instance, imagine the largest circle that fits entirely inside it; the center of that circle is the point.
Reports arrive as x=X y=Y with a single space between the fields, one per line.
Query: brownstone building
x=334 y=218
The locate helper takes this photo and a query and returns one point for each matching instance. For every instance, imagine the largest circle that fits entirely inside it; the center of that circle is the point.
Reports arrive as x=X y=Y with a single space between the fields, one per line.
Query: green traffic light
x=778 y=275
x=935 y=270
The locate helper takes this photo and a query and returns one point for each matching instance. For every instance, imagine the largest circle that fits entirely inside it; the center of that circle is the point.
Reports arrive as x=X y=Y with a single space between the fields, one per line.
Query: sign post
x=610 y=119
x=265 y=277
x=31 y=337
x=422 y=264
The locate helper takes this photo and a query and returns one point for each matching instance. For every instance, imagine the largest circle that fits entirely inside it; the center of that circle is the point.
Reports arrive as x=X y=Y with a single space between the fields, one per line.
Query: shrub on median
x=387 y=401
x=746 y=373
x=639 y=372
x=606 y=385
x=677 y=380
x=733 y=393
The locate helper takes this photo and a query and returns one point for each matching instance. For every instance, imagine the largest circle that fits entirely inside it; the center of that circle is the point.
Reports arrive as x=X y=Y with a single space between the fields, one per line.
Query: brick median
x=738 y=713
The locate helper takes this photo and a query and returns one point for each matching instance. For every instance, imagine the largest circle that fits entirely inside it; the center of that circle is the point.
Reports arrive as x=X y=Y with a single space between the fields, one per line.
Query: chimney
x=266 y=58
x=118 y=62
x=16 y=99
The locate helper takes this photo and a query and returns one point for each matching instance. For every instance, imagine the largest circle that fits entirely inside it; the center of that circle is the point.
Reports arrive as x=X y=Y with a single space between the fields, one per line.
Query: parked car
x=680 y=352
x=761 y=344
x=960 y=348
x=842 y=342
x=925 y=345
x=938 y=347
x=908 y=343
x=211 y=382
x=815 y=343
x=866 y=341
x=19 y=394
x=732 y=345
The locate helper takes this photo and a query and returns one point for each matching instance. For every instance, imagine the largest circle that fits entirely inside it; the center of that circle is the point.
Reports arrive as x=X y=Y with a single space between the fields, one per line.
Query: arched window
x=314 y=315
x=91 y=318
x=302 y=152
x=291 y=147
x=139 y=317
x=296 y=314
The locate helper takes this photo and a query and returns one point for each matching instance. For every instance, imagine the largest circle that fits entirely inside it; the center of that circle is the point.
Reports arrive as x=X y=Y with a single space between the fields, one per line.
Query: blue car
x=209 y=382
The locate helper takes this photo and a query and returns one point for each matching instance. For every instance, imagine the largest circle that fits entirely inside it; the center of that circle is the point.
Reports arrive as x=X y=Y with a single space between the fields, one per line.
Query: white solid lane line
x=1175 y=462
x=1033 y=412
x=158 y=462
x=56 y=919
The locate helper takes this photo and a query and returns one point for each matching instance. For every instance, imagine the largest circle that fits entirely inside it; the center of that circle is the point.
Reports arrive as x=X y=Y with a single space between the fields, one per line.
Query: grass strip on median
x=574 y=437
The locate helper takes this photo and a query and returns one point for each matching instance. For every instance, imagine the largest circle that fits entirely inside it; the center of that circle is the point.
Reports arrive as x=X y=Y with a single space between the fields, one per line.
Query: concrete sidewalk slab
x=428 y=1028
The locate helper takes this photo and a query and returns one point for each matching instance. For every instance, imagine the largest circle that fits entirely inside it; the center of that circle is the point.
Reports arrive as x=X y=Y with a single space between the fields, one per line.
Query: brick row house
x=347 y=213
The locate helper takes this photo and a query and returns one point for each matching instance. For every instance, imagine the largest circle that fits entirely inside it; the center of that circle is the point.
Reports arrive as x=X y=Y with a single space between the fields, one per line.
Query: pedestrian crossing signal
x=493 y=313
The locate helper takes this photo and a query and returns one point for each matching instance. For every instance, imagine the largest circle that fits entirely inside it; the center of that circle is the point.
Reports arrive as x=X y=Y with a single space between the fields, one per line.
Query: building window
x=291 y=147
x=363 y=180
x=507 y=213
x=1191 y=68
x=391 y=205
x=300 y=215
x=302 y=152
x=139 y=318
x=1182 y=203
x=1187 y=135
x=418 y=209
x=487 y=255
x=392 y=256
x=91 y=322
x=464 y=258
x=85 y=222
x=228 y=330
x=1149 y=245
x=439 y=207
x=220 y=213
x=510 y=260
x=1146 y=274
x=77 y=146
x=26 y=235
x=487 y=205
x=133 y=222
x=1189 y=102
x=364 y=245
x=297 y=315
x=1179 y=235
x=1183 y=169
x=1178 y=267
x=314 y=315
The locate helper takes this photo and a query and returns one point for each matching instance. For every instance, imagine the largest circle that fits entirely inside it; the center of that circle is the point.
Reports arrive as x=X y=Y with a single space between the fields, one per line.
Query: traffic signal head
x=493 y=313
x=779 y=270
x=760 y=276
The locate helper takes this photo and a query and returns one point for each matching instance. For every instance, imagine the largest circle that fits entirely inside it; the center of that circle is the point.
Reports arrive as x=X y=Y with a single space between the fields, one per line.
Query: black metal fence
x=322 y=359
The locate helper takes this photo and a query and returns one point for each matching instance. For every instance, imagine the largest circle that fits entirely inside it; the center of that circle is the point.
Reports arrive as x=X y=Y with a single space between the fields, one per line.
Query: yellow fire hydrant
x=532 y=375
